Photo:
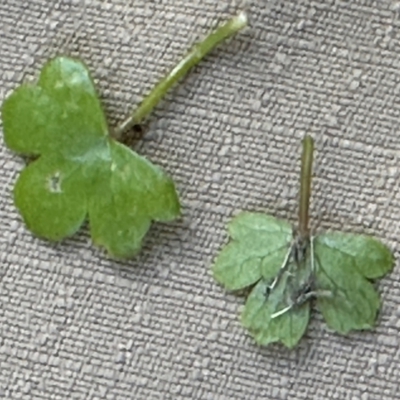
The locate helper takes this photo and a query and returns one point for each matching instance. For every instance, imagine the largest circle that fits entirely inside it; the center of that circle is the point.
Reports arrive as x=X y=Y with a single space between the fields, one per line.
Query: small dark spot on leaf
x=54 y=183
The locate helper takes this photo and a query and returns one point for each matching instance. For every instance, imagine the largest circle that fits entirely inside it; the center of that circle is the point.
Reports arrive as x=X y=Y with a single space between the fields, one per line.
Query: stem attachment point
x=192 y=58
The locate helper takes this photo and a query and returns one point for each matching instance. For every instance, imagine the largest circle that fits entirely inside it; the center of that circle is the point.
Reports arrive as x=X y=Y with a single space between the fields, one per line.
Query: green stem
x=198 y=52
x=305 y=184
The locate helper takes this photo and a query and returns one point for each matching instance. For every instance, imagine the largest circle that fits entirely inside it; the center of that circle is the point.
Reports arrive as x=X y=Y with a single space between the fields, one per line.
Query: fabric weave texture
x=75 y=324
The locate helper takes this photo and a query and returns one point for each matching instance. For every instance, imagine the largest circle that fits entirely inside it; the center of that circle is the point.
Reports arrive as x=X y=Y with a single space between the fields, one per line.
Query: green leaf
x=372 y=258
x=258 y=248
x=291 y=270
x=335 y=271
x=81 y=171
x=62 y=114
x=354 y=303
x=287 y=328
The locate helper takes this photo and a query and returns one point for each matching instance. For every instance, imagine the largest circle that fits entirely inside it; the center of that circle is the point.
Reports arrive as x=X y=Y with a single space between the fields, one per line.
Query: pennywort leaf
x=79 y=170
x=286 y=269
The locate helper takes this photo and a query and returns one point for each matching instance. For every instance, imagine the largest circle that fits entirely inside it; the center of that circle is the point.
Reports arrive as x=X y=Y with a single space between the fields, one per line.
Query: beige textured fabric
x=76 y=325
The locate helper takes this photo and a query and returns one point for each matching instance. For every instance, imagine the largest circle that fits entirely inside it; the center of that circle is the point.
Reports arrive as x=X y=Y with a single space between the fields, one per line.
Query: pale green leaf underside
x=81 y=171
x=287 y=328
x=354 y=303
x=372 y=258
x=257 y=249
x=343 y=264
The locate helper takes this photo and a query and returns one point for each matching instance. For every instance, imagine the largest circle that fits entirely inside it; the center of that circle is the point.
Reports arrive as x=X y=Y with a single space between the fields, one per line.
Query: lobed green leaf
x=354 y=303
x=81 y=171
x=372 y=258
x=258 y=248
x=337 y=276
x=287 y=328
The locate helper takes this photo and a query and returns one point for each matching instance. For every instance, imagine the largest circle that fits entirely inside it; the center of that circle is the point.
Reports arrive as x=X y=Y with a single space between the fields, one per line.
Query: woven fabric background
x=75 y=324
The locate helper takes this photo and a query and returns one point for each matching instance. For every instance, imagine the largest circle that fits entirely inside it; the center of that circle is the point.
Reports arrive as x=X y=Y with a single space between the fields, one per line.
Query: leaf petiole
x=301 y=241
x=192 y=58
x=312 y=255
x=305 y=185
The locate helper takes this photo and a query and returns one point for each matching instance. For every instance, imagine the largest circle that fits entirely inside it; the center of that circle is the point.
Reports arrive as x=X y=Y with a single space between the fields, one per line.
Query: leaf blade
x=354 y=303
x=251 y=223
x=65 y=126
x=134 y=192
x=287 y=329
x=372 y=258
x=61 y=114
x=255 y=251
x=48 y=197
